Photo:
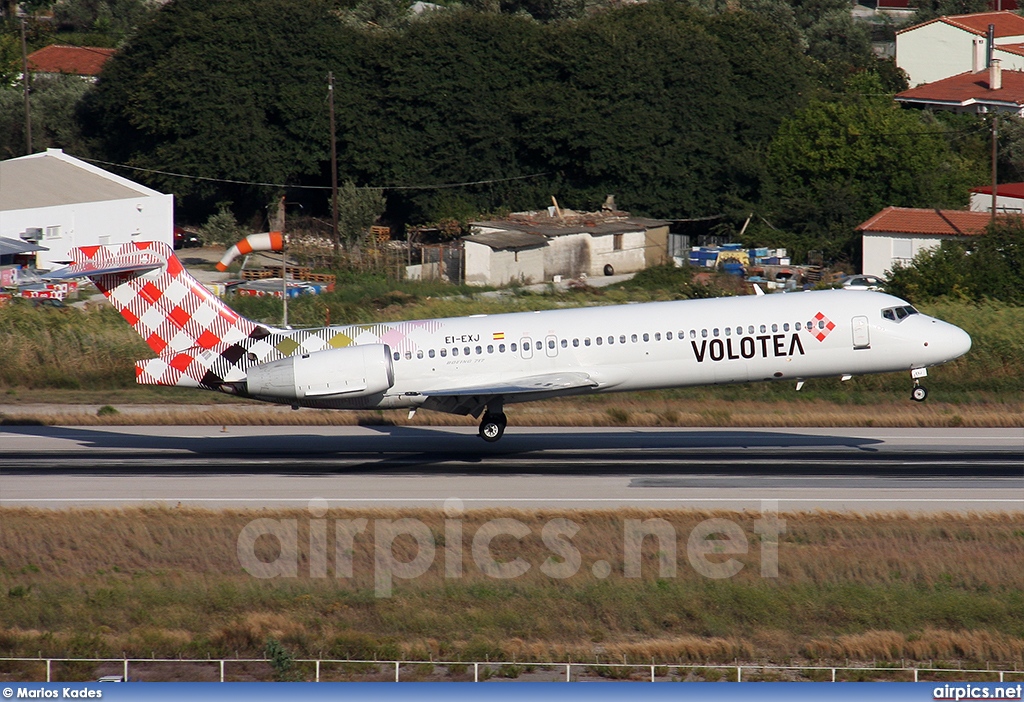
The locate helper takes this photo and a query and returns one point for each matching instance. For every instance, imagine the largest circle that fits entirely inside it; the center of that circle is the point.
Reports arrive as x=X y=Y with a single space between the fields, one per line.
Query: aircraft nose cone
x=959 y=343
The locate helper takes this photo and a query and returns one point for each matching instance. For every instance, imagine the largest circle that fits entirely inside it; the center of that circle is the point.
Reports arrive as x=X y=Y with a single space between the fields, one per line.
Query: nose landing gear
x=919 y=393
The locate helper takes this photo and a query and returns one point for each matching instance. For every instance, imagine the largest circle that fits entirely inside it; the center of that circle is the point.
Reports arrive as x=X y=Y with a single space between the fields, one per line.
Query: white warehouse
x=61 y=202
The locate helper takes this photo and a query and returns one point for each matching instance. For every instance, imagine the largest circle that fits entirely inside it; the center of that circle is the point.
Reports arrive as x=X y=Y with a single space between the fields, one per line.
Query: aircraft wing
x=472 y=398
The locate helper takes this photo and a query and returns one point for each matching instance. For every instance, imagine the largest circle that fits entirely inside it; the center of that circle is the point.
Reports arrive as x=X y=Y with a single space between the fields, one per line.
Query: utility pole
x=25 y=89
x=334 y=169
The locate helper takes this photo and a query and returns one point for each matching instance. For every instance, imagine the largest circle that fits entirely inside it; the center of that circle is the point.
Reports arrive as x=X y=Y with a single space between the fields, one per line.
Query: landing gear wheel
x=918 y=394
x=492 y=427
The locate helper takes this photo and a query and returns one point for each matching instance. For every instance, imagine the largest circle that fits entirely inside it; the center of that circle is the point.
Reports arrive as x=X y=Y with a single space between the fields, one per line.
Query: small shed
x=543 y=246
x=897 y=234
x=1009 y=198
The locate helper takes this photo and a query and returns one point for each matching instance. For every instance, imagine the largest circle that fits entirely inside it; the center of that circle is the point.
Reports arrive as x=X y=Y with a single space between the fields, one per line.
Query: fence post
x=833 y=675
x=739 y=673
x=397 y=664
x=568 y=672
x=222 y=670
x=915 y=674
x=48 y=661
x=318 y=670
x=476 y=672
x=652 y=673
x=1000 y=676
x=126 y=670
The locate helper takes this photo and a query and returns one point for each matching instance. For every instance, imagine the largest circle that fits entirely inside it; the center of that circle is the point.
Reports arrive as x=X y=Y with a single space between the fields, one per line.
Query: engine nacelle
x=353 y=371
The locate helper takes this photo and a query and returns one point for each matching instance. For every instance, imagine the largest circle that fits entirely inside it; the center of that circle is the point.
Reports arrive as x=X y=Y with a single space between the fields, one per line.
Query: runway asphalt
x=860 y=470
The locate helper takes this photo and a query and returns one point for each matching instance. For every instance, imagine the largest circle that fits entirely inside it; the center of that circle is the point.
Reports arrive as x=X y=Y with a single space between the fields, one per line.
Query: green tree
x=358 y=209
x=834 y=164
x=54 y=104
x=989 y=266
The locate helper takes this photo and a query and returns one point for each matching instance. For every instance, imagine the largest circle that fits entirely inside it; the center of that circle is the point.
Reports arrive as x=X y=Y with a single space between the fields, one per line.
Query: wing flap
x=550 y=382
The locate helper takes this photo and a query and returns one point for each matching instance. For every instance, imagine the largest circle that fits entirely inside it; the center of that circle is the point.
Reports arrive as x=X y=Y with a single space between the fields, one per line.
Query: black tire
x=491 y=430
x=609 y=269
x=918 y=394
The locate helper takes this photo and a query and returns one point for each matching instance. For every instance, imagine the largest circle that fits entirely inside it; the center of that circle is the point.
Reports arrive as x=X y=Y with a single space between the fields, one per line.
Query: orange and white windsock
x=267 y=241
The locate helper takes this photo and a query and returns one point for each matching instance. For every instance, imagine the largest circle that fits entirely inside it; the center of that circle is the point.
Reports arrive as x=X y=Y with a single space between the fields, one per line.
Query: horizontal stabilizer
x=136 y=263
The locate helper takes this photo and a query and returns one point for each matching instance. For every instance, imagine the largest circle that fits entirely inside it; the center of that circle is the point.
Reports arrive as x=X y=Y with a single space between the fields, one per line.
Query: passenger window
x=750 y=330
x=444 y=353
x=538 y=345
x=647 y=337
x=455 y=352
x=419 y=354
x=693 y=334
x=775 y=327
x=586 y=342
x=490 y=349
x=728 y=331
x=785 y=327
x=501 y=348
x=598 y=340
x=551 y=343
x=479 y=350
x=715 y=331
x=398 y=356
x=611 y=339
x=467 y=350
x=704 y=333
x=821 y=324
x=763 y=329
x=622 y=339
x=575 y=343
x=797 y=326
x=512 y=348
x=430 y=353
x=635 y=338
x=668 y=336
x=565 y=344
x=739 y=331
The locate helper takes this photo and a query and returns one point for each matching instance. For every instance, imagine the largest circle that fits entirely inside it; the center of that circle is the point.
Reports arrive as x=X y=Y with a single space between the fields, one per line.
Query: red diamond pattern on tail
x=822 y=326
x=179 y=316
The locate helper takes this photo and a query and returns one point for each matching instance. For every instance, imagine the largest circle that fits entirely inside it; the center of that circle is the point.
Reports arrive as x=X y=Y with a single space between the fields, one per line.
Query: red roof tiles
x=75 y=60
x=965 y=88
x=909 y=220
x=1004 y=190
x=1007 y=24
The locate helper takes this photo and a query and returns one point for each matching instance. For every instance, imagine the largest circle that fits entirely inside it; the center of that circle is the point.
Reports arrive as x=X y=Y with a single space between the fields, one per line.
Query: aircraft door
x=526 y=344
x=861 y=335
x=551 y=346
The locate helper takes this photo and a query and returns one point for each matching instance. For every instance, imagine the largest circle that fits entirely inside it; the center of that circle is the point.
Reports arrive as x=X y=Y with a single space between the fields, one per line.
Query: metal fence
x=512 y=670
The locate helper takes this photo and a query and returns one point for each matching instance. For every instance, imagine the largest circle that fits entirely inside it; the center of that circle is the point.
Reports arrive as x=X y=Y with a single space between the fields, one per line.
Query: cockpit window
x=898 y=314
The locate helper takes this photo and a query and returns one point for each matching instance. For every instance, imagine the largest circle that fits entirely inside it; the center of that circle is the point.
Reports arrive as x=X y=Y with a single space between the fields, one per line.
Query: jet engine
x=353 y=371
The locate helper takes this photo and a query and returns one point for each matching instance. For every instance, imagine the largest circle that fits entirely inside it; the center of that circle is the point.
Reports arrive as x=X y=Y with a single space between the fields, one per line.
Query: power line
x=439 y=186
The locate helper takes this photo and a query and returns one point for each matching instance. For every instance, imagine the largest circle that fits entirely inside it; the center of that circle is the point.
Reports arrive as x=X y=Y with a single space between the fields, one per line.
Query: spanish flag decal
x=499 y=336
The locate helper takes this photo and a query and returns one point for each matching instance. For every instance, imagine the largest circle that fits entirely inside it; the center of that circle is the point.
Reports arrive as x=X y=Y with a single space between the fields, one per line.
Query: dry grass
x=168 y=582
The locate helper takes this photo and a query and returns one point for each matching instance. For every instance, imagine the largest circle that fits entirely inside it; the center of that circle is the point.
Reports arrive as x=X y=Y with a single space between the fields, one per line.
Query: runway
x=860 y=470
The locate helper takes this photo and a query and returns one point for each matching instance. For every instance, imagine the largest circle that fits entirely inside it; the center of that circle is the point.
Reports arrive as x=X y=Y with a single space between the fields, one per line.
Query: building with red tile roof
x=976 y=93
x=897 y=234
x=73 y=60
x=950 y=45
x=1009 y=198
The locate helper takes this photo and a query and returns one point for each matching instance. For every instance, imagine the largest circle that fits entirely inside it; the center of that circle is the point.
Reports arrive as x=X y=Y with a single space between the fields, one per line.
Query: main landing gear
x=492 y=426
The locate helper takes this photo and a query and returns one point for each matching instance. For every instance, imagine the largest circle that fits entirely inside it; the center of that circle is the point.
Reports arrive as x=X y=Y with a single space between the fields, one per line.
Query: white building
x=61 y=202
x=897 y=234
x=535 y=247
x=1009 y=198
x=947 y=46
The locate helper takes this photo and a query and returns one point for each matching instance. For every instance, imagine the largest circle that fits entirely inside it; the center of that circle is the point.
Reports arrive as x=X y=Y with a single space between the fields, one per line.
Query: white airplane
x=475 y=365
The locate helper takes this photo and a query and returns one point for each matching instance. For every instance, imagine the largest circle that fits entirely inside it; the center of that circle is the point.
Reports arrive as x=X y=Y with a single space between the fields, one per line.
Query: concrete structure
x=61 y=202
x=897 y=234
x=85 y=61
x=948 y=46
x=534 y=247
x=1009 y=198
x=992 y=90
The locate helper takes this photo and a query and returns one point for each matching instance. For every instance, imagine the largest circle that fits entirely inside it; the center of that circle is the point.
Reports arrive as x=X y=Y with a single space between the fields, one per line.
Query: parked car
x=862 y=282
x=184 y=239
